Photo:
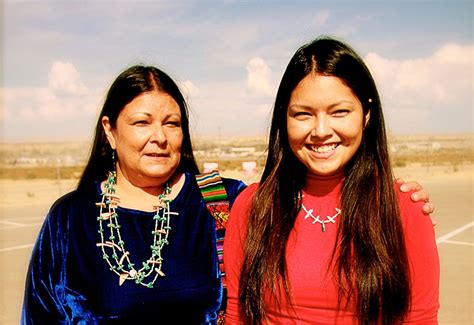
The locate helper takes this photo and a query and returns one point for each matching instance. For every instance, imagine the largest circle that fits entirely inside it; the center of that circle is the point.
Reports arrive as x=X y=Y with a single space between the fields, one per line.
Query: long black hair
x=369 y=257
x=130 y=84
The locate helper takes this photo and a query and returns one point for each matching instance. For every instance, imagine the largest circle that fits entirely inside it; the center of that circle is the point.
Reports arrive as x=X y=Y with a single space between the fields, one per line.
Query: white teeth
x=325 y=148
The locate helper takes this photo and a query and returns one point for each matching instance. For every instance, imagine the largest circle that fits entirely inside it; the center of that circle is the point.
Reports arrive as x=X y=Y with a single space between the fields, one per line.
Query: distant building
x=210 y=166
x=249 y=168
x=243 y=151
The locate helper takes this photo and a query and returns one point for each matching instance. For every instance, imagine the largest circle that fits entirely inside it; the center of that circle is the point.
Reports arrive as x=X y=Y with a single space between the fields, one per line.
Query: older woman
x=135 y=241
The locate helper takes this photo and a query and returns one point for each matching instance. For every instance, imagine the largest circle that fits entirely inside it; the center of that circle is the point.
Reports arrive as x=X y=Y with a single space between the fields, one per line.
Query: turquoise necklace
x=111 y=239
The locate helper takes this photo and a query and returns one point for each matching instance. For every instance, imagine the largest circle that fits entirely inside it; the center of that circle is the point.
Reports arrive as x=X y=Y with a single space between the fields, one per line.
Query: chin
x=158 y=174
x=326 y=172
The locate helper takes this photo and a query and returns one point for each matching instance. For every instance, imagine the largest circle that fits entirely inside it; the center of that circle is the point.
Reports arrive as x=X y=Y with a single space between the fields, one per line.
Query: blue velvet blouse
x=68 y=282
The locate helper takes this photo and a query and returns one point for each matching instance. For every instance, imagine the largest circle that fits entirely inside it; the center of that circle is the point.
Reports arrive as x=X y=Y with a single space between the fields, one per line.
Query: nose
x=158 y=135
x=322 y=127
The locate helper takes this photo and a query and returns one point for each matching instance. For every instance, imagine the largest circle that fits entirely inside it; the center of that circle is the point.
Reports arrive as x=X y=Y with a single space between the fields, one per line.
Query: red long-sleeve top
x=308 y=253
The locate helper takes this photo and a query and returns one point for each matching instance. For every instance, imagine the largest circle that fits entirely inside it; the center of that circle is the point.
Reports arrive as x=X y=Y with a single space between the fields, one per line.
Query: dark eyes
x=340 y=112
x=335 y=113
x=167 y=123
x=173 y=123
x=301 y=114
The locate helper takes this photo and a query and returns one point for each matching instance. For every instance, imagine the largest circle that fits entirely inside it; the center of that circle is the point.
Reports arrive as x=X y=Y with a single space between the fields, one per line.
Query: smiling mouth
x=326 y=148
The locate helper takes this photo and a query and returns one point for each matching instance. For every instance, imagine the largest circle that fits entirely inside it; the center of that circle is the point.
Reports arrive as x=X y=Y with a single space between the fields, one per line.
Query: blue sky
x=59 y=57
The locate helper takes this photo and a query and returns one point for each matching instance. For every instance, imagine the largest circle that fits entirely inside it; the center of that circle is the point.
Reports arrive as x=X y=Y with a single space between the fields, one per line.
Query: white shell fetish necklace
x=119 y=260
x=317 y=219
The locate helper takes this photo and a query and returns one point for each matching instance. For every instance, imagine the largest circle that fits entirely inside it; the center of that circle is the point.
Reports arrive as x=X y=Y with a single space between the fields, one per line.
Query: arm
x=233 y=252
x=423 y=262
x=43 y=298
x=419 y=194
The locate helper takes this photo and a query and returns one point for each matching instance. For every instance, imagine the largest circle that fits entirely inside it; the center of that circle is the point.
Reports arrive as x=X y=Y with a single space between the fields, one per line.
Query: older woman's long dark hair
x=370 y=251
x=131 y=83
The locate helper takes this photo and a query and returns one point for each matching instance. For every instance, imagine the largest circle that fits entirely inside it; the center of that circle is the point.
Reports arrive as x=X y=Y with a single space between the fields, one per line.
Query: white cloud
x=259 y=77
x=64 y=76
x=455 y=54
x=189 y=89
x=226 y=107
x=264 y=110
x=27 y=113
x=63 y=99
x=428 y=92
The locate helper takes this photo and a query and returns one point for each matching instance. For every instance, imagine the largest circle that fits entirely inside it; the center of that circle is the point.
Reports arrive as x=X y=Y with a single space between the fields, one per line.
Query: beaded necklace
x=317 y=219
x=119 y=261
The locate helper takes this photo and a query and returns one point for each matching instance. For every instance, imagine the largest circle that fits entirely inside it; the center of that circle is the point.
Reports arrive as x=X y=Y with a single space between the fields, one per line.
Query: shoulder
x=66 y=201
x=208 y=180
x=248 y=192
x=405 y=202
x=415 y=222
x=232 y=182
x=244 y=200
x=57 y=222
x=74 y=197
x=233 y=187
x=76 y=200
x=240 y=211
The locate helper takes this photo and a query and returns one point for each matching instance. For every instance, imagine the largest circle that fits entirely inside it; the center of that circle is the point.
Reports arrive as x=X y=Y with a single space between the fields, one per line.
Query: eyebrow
x=330 y=106
x=142 y=113
x=149 y=114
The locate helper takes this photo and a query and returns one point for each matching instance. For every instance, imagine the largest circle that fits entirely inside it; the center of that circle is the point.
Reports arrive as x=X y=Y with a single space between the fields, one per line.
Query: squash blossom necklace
x=119 y=261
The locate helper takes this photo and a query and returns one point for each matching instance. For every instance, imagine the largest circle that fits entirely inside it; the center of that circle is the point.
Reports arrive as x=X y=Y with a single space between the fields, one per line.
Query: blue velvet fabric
x=68 y=281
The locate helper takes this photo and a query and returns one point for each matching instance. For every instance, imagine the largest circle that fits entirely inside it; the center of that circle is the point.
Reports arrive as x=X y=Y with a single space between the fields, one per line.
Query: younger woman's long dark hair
x=369 y=257
x=130 y=84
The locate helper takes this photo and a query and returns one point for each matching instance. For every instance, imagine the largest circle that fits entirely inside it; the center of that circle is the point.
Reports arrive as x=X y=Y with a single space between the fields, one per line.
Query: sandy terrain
x=23 y=204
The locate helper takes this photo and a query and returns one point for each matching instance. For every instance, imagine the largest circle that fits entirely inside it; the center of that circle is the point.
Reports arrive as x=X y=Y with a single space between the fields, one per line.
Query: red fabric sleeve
x=423 y=259
x=234 y=242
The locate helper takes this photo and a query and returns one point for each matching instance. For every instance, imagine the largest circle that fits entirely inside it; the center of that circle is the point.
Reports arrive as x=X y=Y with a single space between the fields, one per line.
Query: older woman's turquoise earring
x=113 y=161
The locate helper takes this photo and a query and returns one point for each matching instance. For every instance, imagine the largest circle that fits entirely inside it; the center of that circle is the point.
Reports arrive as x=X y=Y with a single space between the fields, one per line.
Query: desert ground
x=24 y=203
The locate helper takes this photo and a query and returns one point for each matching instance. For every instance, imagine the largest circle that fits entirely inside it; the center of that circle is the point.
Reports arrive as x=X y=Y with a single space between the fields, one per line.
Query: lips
x=152 y=154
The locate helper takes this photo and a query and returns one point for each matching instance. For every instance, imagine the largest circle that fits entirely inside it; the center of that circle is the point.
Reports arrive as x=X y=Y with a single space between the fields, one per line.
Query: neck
x=145 y=197
x=323 y=185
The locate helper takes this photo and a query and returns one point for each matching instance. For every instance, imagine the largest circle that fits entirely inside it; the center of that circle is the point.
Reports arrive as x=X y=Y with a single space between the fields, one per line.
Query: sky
x=58 y=59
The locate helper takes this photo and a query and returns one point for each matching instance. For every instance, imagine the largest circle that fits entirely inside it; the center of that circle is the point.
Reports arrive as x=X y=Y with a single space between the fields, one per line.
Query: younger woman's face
x=325 y=122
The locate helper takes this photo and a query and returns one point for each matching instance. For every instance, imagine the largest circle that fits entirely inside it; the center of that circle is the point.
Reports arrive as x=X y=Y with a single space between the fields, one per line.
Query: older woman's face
x=147 y=138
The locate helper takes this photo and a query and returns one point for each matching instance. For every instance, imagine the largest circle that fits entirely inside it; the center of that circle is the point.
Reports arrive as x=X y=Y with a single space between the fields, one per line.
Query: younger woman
x=327 y=237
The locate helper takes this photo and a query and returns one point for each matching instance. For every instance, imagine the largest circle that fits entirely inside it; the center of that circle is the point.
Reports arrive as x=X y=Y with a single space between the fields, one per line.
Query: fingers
x=409 y=186
x=428 y=208
x=420 y=195
x=434 y=222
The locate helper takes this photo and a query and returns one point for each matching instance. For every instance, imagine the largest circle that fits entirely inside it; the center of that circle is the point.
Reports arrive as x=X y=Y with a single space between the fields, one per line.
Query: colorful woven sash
x=215 y=197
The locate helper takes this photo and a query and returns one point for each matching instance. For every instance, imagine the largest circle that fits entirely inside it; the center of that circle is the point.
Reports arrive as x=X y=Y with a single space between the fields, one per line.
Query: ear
x=367 y=118
x=108 y=131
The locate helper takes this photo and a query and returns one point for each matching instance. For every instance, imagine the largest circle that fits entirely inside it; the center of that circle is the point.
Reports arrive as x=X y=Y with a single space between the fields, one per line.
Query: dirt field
x=23 y=204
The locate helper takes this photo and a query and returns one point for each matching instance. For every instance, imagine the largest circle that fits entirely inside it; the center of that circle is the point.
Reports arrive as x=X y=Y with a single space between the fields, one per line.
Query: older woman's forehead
x=153 y=102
